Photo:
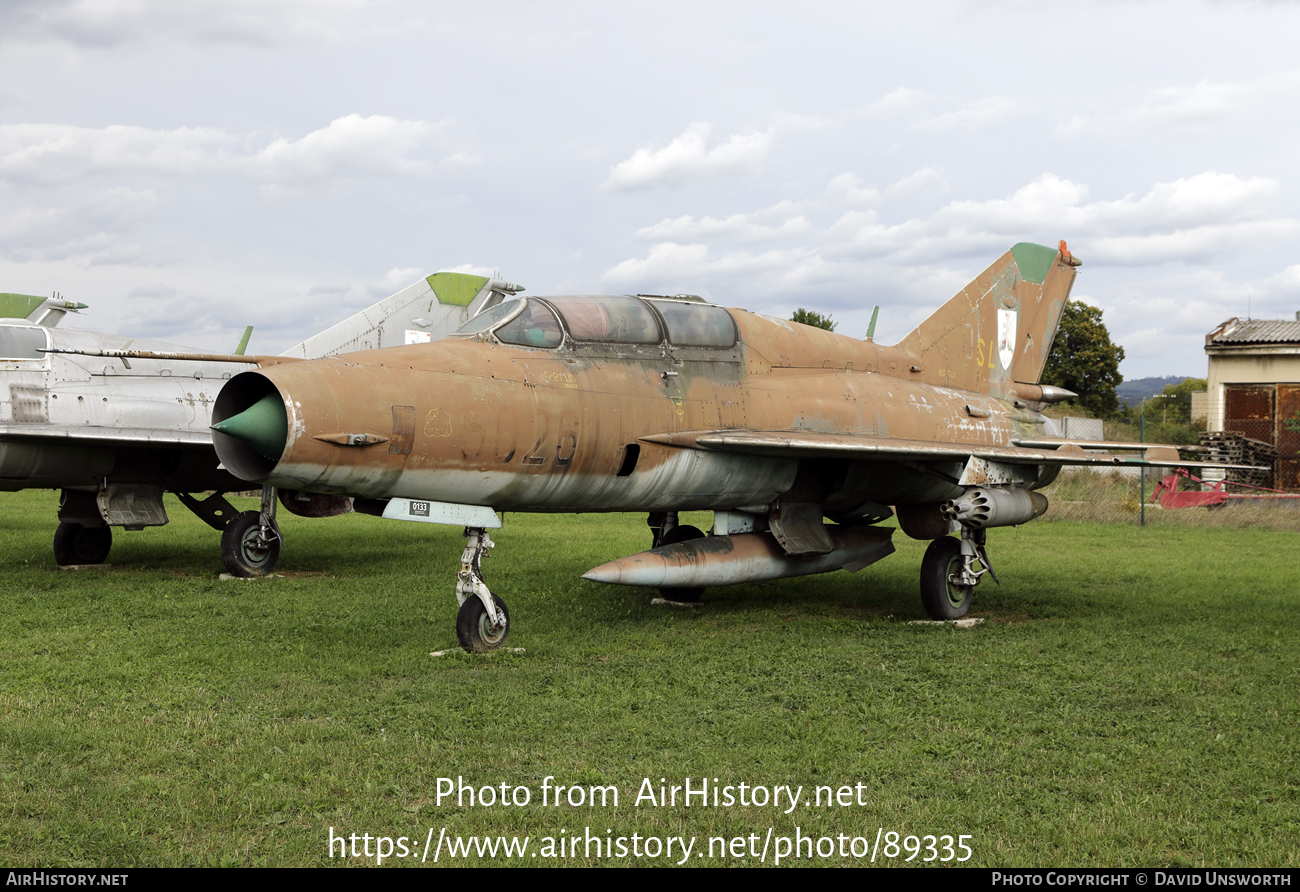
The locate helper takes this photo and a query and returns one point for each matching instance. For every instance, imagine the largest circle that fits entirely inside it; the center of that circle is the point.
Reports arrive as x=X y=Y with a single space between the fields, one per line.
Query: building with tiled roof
x=1254 y=387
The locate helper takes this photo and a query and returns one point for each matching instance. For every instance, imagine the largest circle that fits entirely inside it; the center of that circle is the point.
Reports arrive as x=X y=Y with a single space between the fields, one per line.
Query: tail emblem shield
x=1006 y=337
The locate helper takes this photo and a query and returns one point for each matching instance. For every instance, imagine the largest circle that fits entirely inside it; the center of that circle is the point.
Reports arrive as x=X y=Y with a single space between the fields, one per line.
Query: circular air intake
x=250 y=426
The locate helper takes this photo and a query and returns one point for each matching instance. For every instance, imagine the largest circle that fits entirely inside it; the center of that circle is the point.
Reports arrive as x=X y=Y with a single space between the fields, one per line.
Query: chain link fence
x=1116 y=497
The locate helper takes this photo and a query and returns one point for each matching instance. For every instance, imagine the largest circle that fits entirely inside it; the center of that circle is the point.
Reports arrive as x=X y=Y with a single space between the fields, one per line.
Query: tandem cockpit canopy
x=605 y=319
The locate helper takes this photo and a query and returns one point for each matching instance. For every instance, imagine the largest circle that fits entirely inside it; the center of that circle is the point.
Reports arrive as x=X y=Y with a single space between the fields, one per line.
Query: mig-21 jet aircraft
x=660 y=405
x=114 y=422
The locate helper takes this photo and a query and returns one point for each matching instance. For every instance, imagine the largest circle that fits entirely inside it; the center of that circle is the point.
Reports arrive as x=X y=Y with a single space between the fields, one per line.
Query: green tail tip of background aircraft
x=589 y=403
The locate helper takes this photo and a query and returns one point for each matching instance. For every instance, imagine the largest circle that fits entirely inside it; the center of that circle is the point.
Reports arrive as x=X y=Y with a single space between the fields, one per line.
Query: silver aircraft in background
x=114 y=422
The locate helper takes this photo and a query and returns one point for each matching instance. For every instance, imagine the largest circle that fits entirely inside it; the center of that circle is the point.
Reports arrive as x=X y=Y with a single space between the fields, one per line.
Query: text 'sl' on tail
x=998 y=330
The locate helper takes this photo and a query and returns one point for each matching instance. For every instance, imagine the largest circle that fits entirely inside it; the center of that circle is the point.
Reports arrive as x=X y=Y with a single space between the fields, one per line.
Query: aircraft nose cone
x=263 y=425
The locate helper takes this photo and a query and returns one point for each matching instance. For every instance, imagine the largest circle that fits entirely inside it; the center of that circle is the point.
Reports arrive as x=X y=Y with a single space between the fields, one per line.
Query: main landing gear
x=952 y=568
x=483 y=623
x=250 y=542
x=950 y=571
x=77 y=544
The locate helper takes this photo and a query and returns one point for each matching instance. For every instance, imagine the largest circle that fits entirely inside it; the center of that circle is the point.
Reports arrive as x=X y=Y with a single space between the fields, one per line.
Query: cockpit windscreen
x=489 y=318
x=536 y=326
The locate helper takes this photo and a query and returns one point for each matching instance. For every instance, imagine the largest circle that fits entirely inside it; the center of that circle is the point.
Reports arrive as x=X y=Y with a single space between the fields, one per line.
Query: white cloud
x=901 y=99
x=1196 y=108
x=688 y=159
x=1210 y=213
x=1201 y=244
x=848 y=188
x=842 y=249
x=11 y=95
x=973 y=114
x=391 y=282
x=396 y=279
x=925 y=180
x=471 y=269
x=349 y=146
x=108 y=23
x=693 y=265
x=736 y=228
x=101 y=229
x=65 y=151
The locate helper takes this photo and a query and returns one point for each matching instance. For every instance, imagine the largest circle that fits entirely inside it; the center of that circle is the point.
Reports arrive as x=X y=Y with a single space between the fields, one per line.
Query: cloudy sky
x=189 y=167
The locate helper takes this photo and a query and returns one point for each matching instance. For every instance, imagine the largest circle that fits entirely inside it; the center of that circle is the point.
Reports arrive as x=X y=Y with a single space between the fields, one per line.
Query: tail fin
x=426 y=311
x=999 y=329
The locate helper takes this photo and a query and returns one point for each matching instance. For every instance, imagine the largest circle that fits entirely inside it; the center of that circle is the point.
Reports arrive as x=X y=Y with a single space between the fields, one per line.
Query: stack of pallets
x=1233 y=447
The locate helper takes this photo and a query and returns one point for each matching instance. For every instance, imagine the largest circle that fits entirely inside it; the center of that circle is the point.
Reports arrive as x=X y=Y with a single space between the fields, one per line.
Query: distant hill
x=1130 y=393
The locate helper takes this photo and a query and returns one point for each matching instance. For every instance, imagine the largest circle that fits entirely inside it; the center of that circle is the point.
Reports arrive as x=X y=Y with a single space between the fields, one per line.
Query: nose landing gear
x=483 y=623
x=250 y=543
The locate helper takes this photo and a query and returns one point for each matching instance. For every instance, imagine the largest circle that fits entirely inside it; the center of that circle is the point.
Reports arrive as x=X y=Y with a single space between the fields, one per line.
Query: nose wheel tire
x=672 y=537
x=474 y=627
x=244 y=550
x=75 y=544
x=943 y=599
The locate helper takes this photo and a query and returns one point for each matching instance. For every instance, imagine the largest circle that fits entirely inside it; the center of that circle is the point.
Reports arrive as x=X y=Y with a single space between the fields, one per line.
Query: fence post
x=1142 y=438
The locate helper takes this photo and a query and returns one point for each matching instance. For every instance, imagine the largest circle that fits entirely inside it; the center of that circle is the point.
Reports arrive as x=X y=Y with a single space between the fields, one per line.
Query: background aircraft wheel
x=242 y=549
x=75 y=544
x=942 y=599
x=474 y=627
x=673 y=536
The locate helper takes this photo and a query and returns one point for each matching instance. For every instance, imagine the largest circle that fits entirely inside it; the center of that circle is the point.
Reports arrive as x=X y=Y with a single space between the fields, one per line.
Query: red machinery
x=1167 y=494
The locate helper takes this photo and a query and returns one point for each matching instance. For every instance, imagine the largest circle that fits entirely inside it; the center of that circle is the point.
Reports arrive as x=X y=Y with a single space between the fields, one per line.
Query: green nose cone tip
x=263 y=425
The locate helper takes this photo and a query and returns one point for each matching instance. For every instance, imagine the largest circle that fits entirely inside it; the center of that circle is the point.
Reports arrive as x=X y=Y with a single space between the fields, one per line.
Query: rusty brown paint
x=520 y=428
x=403 y=430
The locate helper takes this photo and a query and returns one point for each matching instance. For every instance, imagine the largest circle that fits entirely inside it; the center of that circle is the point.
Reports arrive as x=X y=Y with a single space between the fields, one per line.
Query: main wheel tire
x=242 y=550
x=474 y=627
x=75 y=544
x=943 y=600
x=672 y=537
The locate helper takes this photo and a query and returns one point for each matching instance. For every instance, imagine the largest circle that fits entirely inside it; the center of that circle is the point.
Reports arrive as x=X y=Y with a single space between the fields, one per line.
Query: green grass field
x=1132 y=697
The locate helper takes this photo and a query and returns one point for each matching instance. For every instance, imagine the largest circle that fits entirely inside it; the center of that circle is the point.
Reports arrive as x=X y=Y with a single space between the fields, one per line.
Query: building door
x=1248 y=410
x=1288 y=437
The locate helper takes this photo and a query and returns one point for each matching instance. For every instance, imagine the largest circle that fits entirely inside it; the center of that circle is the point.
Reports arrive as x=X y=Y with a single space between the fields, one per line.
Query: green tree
x=808 y=317
x=1177 y=398
x=1084 y=360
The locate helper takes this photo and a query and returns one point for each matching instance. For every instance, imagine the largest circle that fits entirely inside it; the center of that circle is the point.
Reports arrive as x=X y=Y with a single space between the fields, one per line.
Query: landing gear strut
x=250 y=543
x=950 y=571
x=483 y=623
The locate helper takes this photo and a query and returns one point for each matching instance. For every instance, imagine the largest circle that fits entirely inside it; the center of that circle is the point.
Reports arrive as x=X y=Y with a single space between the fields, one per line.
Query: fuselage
x=72 y=420
x=474 y=420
